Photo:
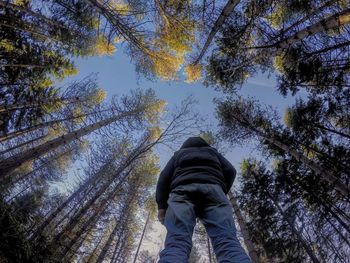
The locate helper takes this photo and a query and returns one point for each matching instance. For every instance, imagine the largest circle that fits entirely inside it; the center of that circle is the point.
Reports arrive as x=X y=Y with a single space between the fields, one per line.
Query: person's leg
x=180 y=219
x=217 y=218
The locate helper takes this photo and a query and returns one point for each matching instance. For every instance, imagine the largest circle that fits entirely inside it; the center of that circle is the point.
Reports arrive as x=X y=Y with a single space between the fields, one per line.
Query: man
x=194 y=183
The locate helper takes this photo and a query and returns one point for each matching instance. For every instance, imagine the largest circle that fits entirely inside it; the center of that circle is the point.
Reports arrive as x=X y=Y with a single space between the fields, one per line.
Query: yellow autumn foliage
x=288 y=118
x=154 y=110
x=179 y=37
x=25 y=168
x=7 y=45
x=277 y=16
x=193 y=72
x=120 y=7
x=278 y=63
x=63 y=162
x=165 y=64
x=97 y=97
x=103 y=47
x=78 y=115
x=55 y=130
x=154 y=132
x=21 y=2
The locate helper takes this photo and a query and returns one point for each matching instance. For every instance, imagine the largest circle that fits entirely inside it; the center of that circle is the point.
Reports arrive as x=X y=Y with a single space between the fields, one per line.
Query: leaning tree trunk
x=23 y=144
x=116 y=22
x=291 y=225
x=141 y=238
x=310 y=14
x=325 y=175
x=244 y=230
x=113 y=192
x=122 y=221
x=209 y=249
x=132 y=156
x=23 y=131
x=334 y=21
x=226 y=11
x=10 y=164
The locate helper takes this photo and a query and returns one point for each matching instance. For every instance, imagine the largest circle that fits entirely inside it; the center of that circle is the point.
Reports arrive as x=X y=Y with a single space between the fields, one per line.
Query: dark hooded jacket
x=195 y=162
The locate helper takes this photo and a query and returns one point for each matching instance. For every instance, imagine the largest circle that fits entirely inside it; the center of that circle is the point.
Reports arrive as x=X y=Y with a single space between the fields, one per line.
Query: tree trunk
x=209 y=250
x=332 y=130
x=244 y=230
x=325 y=175
x=22 y=144
x=141 y=238
x=69 y=100
x=114 y=19
x=308 y=17
x=226 y=11
x=23 y=131
x=132 y=156
x=334 y=21
x=11 y=163
x=294 y=230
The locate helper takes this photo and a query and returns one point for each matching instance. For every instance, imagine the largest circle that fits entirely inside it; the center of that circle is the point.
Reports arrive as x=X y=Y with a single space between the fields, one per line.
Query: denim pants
x=209 y=203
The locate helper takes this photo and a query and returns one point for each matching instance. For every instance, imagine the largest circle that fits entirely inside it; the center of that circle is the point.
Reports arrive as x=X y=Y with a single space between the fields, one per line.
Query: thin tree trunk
x=141 y=238
x=294 y=230
x=69 y=100
x=209 y=250
x=10 y=164
x=49 y=21
x=333 y=131
x=23 y=131
x=114 y=19
x=226 y=11
x=134 y=155
x=22 y=144
x=244 y=230
x=325 y=175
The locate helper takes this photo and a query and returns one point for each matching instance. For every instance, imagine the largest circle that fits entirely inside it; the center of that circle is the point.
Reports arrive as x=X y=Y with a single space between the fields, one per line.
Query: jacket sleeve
x=163 y=184
x=228 y=170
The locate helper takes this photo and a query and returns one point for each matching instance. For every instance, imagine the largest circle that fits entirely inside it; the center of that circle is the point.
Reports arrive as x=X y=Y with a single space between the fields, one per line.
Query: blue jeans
x=209 y=203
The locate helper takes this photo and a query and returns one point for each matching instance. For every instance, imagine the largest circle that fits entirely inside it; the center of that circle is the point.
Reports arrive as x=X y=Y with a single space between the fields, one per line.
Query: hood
x=194 y=142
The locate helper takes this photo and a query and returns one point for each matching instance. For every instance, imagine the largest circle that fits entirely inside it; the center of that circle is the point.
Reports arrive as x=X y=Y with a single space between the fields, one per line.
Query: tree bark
x=226 y=11
x=325 y=175
x=291 y=225
x=10 y=164
x=141 y=238
x=334 y=21
x=244 y=230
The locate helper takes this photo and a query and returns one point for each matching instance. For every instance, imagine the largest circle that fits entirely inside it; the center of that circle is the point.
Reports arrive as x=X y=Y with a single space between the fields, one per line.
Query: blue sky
x=116 y=75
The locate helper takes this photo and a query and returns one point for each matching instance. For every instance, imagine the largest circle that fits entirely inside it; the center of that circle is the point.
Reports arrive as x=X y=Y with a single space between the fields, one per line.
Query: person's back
x=194 y=183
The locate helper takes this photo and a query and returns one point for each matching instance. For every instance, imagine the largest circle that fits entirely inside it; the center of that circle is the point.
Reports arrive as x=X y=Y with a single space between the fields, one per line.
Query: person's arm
x=163 y=187
x=228 y=170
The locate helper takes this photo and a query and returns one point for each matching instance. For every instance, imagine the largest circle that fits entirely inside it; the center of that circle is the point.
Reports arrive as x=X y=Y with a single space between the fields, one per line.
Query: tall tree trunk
x=68 y=100
x=209 y=249
x=108 y=244
x=226 y=11
x=244 y=230
x=11 y=163
x=136 y=153
x=141 y=238
x=23 y=144
x=308 y=16
x=23 y=131
x=116 y=22
x=334 y=21
x=325 y=175
x=6 y=4
x=291 y=225
x=113 y=192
